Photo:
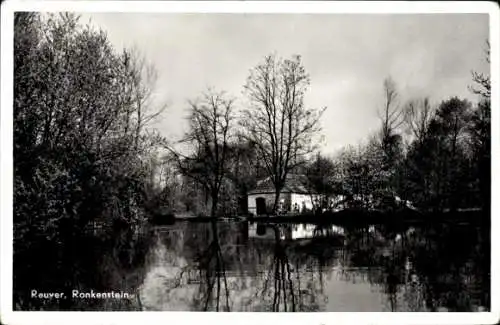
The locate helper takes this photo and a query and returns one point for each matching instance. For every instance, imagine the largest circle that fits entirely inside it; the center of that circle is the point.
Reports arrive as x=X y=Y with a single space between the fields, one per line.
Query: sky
x=347 y=57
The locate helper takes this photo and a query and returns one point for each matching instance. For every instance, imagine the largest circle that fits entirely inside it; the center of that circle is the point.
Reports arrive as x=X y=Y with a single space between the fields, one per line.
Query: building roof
x=294 y=183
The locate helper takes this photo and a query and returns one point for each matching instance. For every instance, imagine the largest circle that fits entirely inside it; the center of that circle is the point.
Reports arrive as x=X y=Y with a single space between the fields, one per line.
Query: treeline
x=437 y=157
x=433 y=157
x=83 y=153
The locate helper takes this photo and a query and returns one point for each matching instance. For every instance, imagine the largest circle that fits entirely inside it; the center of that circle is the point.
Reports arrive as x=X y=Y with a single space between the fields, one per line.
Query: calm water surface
x=240 y=266
x=257 y=267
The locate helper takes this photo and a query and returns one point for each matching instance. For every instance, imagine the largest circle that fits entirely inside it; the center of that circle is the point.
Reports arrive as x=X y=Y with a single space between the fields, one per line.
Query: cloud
x=347 y=57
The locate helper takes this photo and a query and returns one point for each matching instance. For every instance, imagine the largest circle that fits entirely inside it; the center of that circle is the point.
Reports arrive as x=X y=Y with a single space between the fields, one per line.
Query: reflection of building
x=292 y=231
x=271 y=232
x=295 y=197
x=261 y=231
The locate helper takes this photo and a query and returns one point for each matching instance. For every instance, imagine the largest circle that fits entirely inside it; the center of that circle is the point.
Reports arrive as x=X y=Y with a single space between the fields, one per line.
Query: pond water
x=242 y=266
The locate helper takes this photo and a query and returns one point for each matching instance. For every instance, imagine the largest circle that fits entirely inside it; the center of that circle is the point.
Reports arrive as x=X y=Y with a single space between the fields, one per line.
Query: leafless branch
x=277 y=121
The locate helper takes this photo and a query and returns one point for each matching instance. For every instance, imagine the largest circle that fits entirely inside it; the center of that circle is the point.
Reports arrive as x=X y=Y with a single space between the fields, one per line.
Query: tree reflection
x=213 y=293
x=293 y=275
x=197 y=261
x=423 y=268
x=230 y=272
x=104 y=263
x=416 y=269
x=281 y=288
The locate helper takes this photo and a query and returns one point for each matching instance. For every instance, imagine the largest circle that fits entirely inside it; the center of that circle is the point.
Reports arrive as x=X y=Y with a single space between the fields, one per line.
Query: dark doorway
x=261 y=230
x=261 y=205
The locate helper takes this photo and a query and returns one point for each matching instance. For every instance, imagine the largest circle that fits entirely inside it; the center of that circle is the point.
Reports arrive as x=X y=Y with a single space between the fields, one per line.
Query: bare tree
x=417 y=116
x=210 y=125
x=482 y=80
x=480 y=131
x=141 y=81
x=277 y=120
x=391 y=115
x=212 y=269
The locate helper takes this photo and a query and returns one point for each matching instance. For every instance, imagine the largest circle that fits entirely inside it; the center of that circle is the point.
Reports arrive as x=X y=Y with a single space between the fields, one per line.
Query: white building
x=295 y=197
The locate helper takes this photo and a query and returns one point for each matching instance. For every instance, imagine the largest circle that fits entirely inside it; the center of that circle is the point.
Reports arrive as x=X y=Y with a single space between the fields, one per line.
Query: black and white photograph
x=250 y=161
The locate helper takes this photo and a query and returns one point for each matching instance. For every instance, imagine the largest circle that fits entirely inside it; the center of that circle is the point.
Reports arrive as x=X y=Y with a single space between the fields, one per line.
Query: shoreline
x=354 y=217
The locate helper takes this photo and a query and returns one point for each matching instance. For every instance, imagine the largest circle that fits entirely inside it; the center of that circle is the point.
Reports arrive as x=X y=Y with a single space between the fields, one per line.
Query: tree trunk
x=215 y=234
x=276 y=200
x=243 y=202
x=213 y=210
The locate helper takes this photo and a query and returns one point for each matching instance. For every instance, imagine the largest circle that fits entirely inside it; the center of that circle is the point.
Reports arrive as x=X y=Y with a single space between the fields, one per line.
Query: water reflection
x=243 y=266
x=87 y=262
x=262 y=267
x=293 y=231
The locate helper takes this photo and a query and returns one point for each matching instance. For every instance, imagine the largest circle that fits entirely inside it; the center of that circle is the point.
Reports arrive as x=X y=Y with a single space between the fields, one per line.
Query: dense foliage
x=81 y=156
x=445 y=164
